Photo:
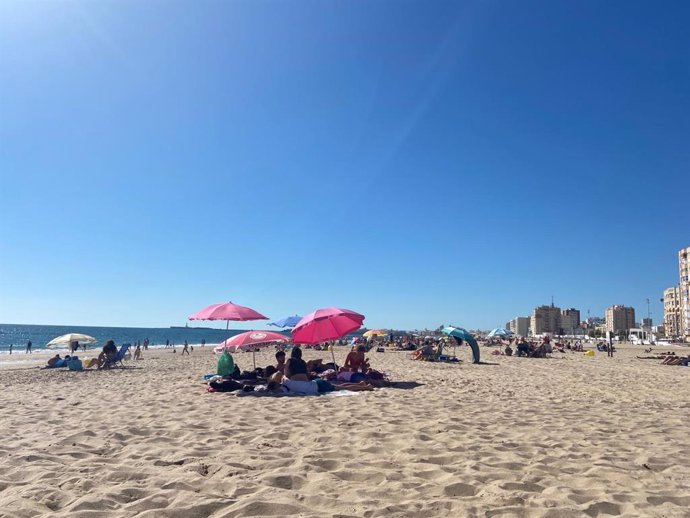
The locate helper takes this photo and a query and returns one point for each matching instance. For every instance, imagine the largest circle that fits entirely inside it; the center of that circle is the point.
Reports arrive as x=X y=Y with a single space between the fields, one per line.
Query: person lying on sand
x=281 y=385
x=675 y=360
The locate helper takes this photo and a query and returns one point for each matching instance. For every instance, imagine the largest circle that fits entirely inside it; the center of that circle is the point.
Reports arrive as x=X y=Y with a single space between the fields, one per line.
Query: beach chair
x=112 y=362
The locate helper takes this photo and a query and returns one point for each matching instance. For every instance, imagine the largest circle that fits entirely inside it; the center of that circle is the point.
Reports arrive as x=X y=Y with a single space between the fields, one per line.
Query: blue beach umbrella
x=286 y=322
x=499 y=331
x=464 y=334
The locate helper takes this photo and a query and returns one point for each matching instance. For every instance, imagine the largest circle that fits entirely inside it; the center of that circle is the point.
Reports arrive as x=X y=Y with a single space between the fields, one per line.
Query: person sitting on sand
x=424 y=353
x=53 y=361
x=109 y=352
x=522 y=347
x=356 y=361
x=296 y=367
x=137 y=353
x=547 y=347
x=280 y=361
x=509 y=350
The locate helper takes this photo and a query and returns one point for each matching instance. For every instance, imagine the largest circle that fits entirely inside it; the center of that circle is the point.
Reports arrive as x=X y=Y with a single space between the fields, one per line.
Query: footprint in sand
x=459 y=489
x=603 y=508
x=285 y=481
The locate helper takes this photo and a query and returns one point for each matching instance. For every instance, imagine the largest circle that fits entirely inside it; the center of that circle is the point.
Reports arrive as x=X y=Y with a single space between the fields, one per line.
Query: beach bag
x=226 y=365
x=75 y=364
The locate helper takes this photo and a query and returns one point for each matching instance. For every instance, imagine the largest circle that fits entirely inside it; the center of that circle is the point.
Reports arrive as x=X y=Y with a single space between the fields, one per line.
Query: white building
x=520 y=326
x=684 y=290
x=672 y=312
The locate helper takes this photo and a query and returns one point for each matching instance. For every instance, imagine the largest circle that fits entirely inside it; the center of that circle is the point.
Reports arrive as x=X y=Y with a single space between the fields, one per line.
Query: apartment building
x=520 y=326
x=620 y=318
x=684 y=291
x=570 y=321
x=672 y=311
x=546 y=319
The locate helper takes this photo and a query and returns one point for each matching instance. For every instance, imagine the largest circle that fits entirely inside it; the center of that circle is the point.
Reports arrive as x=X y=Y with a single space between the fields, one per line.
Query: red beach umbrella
x=326 y=324
x=251 y=341
x=227 y=311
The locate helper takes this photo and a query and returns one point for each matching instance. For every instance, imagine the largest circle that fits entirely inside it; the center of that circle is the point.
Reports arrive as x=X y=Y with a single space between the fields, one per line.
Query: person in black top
x=109 y=351
x=296 y=367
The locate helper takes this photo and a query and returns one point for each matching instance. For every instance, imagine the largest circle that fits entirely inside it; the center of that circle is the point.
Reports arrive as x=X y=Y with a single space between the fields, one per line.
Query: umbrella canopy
x=326 y=324
x=72 y=337
x=499 y=331
x=252 y=340
x=375 y=332
x=457 y=332
x=227 y=311
x=287 y=321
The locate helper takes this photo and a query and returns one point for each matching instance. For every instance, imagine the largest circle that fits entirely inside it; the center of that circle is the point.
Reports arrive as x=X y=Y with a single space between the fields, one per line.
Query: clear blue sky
x=420 y=162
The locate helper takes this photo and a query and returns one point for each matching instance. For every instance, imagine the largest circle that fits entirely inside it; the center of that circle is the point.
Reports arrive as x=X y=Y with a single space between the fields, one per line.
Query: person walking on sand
x=28 y=347
x=185 y=348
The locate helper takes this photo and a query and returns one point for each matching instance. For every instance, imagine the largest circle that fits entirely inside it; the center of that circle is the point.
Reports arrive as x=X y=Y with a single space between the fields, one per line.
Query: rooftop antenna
x=551 y=300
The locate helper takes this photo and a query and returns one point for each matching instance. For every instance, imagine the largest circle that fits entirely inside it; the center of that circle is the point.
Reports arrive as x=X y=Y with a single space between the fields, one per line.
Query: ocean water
x=19 y=335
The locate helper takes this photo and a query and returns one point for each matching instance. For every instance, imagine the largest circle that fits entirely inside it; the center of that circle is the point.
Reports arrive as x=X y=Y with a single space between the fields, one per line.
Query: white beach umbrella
x=72 y=337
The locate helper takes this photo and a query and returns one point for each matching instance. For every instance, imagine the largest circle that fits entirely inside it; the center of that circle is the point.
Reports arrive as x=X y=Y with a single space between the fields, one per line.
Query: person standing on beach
x=185 y=349
x=11 y=345
x=28 y=347
x=609 y=348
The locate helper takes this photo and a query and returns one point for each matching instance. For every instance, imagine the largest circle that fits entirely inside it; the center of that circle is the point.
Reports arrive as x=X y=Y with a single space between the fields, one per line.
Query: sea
x=18 y=335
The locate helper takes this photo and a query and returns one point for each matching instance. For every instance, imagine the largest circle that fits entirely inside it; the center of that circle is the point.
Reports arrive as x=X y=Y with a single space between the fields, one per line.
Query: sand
x=566 y=437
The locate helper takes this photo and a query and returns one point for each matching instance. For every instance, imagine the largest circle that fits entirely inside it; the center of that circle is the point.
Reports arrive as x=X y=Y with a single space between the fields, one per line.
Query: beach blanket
x=261 y=393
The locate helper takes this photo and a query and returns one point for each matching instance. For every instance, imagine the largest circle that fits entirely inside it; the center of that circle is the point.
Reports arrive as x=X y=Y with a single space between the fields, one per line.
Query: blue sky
x=423 y=163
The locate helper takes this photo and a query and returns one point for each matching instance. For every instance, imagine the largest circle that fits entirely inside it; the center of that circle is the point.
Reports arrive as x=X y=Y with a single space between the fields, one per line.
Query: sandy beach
x=570 y=436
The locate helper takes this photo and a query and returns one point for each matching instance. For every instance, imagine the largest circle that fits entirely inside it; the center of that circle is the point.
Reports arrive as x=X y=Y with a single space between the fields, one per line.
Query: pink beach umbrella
x=228 y=311
x=326 y=324
x=251 y=341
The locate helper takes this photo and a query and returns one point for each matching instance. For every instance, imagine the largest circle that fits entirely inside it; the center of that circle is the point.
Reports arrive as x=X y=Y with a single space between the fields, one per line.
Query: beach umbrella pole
x=333 y=355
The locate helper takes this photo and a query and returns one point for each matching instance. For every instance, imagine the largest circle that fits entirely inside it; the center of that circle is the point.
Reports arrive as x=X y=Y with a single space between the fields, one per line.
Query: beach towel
x=262 y=393
x=301 y=387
